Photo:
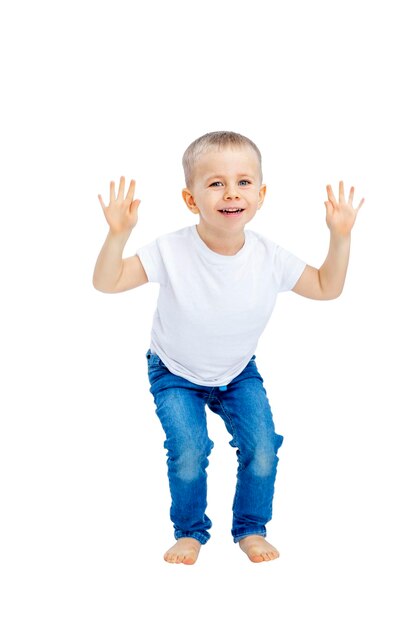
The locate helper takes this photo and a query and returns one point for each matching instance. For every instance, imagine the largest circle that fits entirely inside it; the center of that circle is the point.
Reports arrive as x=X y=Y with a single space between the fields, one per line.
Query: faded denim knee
x=188 y=459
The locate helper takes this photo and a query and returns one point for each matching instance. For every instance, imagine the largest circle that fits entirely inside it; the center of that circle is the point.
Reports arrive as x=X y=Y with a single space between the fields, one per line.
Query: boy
x=218 y=286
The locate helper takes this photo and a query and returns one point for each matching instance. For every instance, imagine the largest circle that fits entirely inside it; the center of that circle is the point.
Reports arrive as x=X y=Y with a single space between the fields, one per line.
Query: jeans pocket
x=152 y=357
x=154 y=362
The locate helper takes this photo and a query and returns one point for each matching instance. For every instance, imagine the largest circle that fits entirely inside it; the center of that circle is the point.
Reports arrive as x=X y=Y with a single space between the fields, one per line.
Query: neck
x=227 y=244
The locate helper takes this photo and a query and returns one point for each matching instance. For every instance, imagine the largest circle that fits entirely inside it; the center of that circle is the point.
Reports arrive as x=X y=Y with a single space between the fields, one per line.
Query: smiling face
x=227 y=189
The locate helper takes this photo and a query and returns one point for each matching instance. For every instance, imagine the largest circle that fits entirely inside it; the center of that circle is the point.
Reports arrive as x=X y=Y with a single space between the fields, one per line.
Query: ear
x=189 y=201
x=262 y=192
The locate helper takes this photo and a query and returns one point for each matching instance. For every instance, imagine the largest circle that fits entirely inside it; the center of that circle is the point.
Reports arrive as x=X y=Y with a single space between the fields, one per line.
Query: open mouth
x=231 y=211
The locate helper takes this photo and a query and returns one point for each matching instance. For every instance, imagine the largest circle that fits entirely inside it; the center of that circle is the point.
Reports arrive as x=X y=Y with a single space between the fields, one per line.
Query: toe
x=256 y=558
x=189 y=560
x=170 y=557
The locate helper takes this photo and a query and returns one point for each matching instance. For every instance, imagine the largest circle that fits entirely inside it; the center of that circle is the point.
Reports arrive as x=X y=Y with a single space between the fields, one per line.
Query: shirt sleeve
x=287 y=269
x=151 y=259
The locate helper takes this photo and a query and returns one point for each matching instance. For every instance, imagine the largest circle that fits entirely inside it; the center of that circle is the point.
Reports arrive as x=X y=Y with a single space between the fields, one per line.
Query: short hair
x=218 y=139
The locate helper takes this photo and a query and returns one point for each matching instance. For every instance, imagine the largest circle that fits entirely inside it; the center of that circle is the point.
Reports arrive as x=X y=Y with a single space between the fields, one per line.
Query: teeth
x=233 y=211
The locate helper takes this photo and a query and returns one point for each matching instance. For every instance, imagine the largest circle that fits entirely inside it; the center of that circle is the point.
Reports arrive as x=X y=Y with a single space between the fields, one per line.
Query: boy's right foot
x=184 y=551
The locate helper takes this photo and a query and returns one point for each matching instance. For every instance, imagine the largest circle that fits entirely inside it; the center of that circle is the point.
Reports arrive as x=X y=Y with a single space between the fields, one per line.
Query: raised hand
x=121 y=213
x=340 y=215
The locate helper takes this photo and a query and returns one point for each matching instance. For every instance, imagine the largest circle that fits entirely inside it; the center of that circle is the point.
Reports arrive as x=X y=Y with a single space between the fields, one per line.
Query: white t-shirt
x=213 y=308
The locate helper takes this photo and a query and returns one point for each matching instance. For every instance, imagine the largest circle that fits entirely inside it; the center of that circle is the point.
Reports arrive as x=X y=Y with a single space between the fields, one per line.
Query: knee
x=264 y=462
x=191 y=460
x=263 y=458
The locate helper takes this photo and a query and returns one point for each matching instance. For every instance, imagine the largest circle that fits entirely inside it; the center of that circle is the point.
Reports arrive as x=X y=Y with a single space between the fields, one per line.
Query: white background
x=91 y=91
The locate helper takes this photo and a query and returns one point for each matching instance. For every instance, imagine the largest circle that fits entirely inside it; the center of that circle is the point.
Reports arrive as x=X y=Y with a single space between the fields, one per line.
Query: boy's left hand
x=341 y=216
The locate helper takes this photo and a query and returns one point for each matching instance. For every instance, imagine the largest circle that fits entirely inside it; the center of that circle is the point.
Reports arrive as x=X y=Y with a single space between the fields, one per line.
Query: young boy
x=218 y=286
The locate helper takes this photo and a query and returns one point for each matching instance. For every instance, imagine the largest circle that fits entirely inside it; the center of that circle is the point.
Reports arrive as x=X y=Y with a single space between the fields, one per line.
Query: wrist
x=119 y=236
x=340 y=239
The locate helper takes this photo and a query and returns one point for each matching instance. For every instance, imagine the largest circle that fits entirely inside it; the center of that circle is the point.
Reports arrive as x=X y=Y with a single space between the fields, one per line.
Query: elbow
x=332 y=295
x=100 y=287
x=329 y=291
x=96 y=284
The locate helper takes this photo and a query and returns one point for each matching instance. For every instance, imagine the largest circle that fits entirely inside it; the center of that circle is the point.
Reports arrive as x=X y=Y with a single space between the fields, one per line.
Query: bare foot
x=258 y=549
x=184 y=551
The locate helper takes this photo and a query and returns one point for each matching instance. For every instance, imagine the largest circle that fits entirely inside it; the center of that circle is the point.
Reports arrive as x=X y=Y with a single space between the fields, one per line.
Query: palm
x=121 y=213
x=341 y=215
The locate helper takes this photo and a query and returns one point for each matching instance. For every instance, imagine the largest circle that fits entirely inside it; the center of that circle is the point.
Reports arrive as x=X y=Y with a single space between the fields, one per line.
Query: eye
x=216 y=182
x=245 y=181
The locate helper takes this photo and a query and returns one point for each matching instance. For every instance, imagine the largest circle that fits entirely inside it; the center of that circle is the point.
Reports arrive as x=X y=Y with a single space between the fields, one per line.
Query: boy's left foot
x=258 y=549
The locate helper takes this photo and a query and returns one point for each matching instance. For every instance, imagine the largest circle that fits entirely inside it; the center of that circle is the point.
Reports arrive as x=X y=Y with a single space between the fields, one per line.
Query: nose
x=230 y=192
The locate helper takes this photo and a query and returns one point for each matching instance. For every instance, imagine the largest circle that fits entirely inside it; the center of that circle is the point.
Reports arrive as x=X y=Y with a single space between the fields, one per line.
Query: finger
x=131 y=191
x=121 y=194
x=329 y=207
x=341 y=193
x=330 y=194
x=112 y=194
x=352 y=191
x=360 y=204
x=134 y=206
x=103 y=206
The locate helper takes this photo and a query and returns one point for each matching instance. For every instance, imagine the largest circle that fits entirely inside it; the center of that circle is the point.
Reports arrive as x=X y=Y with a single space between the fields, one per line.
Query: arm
x=327 y=282
x=112 y=273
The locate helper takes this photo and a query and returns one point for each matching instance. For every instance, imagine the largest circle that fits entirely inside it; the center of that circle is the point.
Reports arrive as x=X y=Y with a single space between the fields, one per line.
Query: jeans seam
x=198 y=536
x=234 y=439
x=237 y=538
x=230 y=421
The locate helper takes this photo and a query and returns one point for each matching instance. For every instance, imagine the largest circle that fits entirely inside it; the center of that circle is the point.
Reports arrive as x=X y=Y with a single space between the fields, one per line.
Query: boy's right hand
x=122 y=213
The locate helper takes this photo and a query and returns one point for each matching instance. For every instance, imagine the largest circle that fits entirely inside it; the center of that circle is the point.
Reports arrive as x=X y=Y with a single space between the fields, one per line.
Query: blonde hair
x=218 y=139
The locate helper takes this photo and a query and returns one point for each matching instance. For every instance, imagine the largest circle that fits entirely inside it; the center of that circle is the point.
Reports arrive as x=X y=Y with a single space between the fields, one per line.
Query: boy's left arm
x=327 y=282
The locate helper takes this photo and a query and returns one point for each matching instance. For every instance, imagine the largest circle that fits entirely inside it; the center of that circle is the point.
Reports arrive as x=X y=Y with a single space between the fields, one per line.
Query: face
x=226 y=190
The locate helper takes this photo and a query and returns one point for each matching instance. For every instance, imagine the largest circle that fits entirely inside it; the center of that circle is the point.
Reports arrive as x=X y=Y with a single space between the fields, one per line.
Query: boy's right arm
x=112 y=273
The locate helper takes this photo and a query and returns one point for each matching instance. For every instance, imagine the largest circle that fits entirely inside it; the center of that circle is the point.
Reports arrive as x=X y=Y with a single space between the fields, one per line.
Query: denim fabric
x=245 y=410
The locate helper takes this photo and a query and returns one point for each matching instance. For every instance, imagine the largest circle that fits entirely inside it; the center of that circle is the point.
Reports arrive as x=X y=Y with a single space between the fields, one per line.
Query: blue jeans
x=245 y=410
